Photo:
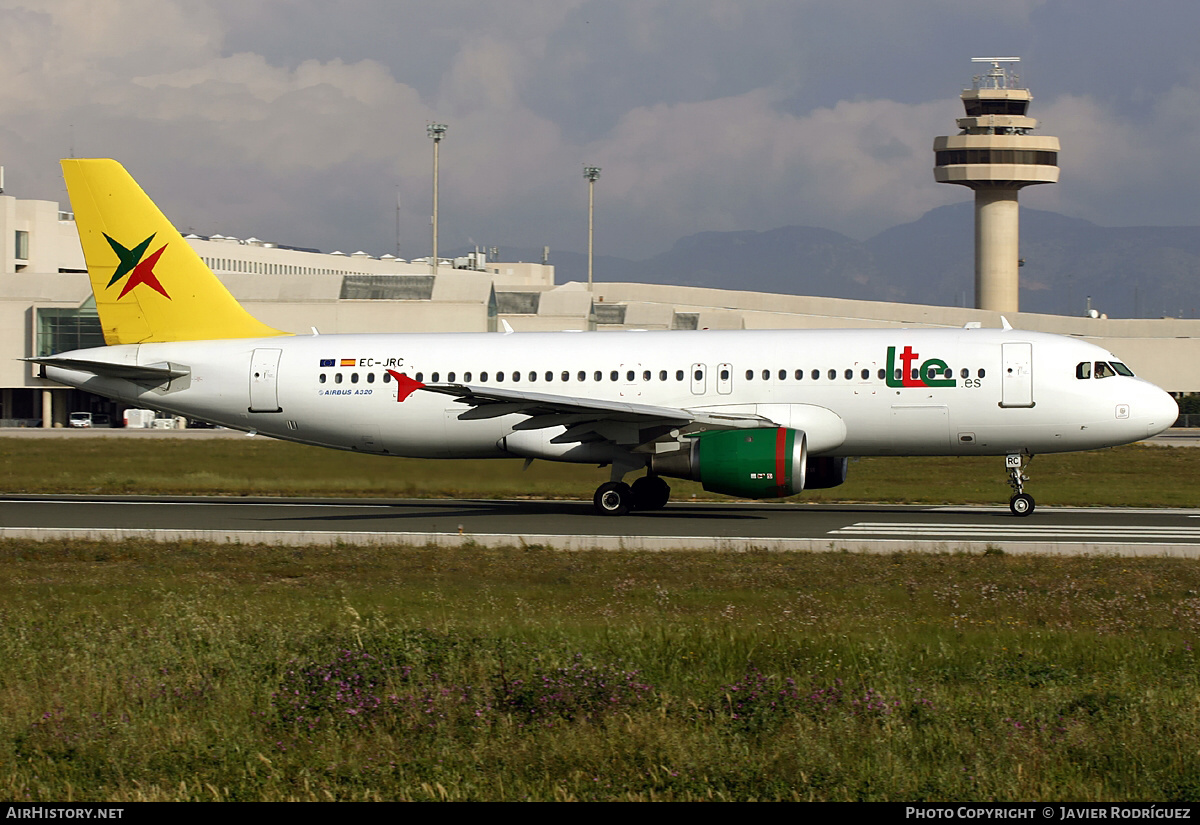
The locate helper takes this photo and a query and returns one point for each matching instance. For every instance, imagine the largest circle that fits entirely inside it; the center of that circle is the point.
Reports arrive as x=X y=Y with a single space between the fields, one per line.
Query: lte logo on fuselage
x=923 y=376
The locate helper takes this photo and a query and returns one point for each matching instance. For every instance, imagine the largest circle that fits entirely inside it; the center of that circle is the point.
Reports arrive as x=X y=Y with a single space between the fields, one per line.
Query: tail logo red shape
x=405 y=386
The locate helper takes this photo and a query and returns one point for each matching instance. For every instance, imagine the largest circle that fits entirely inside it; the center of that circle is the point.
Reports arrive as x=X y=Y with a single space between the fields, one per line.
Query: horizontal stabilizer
x=153 y=374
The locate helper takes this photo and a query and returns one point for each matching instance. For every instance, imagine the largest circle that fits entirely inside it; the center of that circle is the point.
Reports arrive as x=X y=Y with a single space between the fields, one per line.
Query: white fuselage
x=977 y=391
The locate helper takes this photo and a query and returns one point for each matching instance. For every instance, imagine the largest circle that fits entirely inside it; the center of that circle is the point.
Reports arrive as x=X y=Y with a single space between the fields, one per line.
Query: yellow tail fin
x=150 y=285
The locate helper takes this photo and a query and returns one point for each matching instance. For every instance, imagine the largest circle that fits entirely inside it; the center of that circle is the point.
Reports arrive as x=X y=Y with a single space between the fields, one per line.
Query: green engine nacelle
x=765 y=462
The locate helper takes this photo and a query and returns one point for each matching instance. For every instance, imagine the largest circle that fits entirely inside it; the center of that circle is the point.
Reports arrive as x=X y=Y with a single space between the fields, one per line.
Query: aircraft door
x=631 y=375
x=699 y=379
x=724 y=378
x=264 y=381
x=1016 y=375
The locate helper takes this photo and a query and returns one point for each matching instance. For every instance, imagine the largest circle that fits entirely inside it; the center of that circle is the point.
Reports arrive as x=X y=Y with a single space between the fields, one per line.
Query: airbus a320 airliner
x=754 y=414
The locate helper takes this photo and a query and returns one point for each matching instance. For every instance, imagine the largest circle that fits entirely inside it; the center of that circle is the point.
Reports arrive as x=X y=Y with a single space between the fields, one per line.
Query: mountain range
x=1128 y=272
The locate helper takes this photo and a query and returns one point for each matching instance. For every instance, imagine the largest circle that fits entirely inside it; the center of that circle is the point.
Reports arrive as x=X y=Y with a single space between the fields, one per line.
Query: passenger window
x=483 y=376
x=816 y=374
x=433 y=378
x=450 y=377
x=698 y=375
x=628 y=375
x=467 y=377
x=420 y=377
x=766 y=375
x=964 y=372
x=550 y=375
x=749 y=375
x=783 y=375
x=532 y=376
x=581 y=376
x=724 y=375
x=322 y=379
x=832 y=375
x=799 y=375
x=500 y=377
x=337 y=378
x=662 y=375
x=566 y=376
x=849 y=375
x=613 y=376
x=597 y=375
x=882 y=374
x=646 y=375
x=371 y=378
x=387 y=378
x=1083 y=370
x=678 y=375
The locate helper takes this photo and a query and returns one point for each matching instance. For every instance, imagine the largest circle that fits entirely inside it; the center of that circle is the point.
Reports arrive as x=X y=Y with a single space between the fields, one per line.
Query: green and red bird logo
x=139 y=271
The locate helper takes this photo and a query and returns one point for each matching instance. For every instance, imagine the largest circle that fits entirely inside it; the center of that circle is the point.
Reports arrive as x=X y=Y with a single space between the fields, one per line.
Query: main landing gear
x=1021 y=504
x=616 y=498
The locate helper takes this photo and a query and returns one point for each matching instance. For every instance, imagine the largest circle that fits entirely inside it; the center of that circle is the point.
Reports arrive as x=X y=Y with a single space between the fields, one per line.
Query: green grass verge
x=1125 y=476
x=187 y=671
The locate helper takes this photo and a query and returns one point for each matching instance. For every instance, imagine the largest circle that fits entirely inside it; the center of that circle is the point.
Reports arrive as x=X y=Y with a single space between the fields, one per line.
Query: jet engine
x=825 y=471
x=763 y=462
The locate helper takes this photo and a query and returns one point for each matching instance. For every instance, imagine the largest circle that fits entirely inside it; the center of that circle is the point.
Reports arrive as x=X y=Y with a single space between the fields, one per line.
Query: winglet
x=149 y=283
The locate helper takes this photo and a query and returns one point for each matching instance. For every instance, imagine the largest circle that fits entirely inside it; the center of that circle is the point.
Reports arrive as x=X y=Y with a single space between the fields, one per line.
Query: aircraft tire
x=650 y=493
x=1021 y=505
x=614 y=498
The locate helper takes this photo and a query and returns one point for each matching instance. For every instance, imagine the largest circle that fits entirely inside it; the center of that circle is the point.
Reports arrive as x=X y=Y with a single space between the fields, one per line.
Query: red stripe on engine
x=781 y=463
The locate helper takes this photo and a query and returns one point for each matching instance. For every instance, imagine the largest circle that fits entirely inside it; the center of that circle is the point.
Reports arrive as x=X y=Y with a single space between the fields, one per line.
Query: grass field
x=199 y=672
x=186 y=671
x=1124 y=476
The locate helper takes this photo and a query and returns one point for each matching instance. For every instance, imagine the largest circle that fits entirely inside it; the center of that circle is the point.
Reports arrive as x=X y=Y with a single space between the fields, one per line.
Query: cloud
x=302 y=122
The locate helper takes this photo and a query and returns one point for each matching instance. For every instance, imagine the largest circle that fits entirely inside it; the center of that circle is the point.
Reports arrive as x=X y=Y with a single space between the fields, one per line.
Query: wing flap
x=589 y=419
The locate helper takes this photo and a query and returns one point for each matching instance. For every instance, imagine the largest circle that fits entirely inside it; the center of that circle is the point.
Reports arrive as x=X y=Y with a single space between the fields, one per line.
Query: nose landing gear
x=1021 y=504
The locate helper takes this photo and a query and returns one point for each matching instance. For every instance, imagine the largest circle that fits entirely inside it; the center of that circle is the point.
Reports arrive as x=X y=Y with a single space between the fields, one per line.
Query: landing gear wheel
x=1021 y=504
x=650 y=493
x=614 y=498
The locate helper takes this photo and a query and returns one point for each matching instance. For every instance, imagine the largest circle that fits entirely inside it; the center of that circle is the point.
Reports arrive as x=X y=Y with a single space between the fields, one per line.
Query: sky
x=304 y=122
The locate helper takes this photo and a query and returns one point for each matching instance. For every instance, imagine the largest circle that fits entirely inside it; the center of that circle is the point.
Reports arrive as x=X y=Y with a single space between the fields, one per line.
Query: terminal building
x=46 y=306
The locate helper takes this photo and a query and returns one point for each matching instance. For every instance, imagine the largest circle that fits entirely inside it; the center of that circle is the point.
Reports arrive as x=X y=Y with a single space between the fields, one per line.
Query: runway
x=572 y=525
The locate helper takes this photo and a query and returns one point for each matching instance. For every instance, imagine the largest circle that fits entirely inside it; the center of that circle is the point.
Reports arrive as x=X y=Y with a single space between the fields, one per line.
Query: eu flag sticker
x=327 y=362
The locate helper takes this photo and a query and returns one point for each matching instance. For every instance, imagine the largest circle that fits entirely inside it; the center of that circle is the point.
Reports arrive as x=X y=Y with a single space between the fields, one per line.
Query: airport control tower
x=995 y=154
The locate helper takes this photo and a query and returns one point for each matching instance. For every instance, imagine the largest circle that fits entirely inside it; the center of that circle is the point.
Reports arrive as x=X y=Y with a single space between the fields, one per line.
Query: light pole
x=592 y=174
x=437 y=131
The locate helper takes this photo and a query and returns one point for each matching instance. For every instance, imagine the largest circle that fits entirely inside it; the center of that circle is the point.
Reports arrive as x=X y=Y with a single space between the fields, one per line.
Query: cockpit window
x=1121 y=368
x=1103 y=370
x=1083 y=369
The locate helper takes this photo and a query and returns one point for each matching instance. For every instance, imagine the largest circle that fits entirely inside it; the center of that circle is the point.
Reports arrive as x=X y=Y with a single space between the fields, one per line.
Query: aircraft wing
x=589 y=419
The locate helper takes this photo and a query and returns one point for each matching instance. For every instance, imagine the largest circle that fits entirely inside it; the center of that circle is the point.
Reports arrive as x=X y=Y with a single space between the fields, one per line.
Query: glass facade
x=62 y=330
x=959 y=157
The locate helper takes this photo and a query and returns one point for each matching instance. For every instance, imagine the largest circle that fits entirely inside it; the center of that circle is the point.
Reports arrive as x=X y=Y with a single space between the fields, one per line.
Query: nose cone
x=1159 y=411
